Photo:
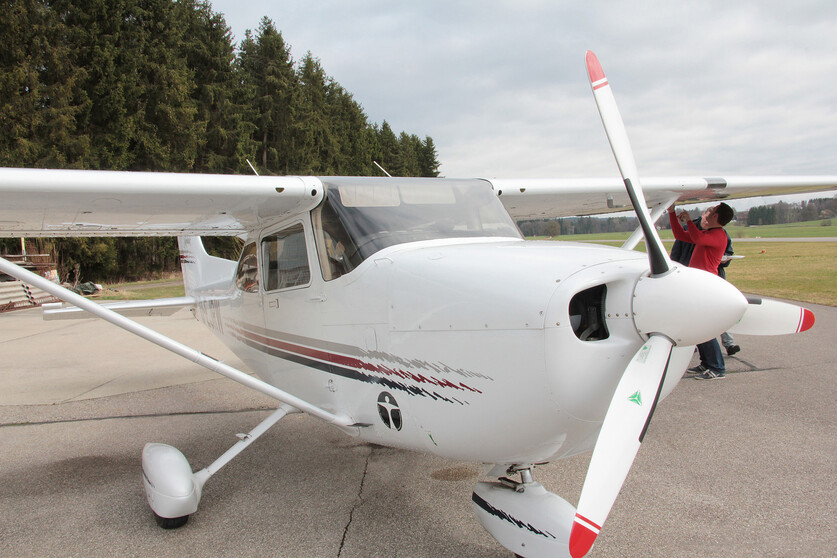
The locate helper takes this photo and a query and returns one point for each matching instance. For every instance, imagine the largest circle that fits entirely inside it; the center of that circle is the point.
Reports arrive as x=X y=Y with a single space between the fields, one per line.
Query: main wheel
x=171 y=522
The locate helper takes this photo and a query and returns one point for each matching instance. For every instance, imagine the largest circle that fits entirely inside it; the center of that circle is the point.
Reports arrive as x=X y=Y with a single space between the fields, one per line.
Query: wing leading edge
x=563 y=197
x=40 y=202
x=60 y=203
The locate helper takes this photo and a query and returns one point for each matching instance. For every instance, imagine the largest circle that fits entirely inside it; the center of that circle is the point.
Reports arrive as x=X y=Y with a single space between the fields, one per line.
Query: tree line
x=159 y=85
x=782 y=212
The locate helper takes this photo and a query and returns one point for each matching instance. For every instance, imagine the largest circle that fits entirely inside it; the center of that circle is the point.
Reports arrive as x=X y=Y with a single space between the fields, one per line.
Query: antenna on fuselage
x=382 y=168
x=252 y=167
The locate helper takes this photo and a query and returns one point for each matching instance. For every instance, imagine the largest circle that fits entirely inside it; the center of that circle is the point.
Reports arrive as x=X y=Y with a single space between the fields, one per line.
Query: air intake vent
x=587 y=311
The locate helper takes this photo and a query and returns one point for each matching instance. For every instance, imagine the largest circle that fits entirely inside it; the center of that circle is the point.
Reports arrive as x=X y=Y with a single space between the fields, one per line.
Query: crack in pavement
x=358 y=502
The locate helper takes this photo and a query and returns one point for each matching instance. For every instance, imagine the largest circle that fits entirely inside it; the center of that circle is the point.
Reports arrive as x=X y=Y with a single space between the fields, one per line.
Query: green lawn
x=803 y=229
x=143 y=290
x=804 y=271
x=816 y=229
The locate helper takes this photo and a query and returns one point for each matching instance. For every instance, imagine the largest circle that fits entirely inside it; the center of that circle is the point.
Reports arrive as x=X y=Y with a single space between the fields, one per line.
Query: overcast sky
x=705 y=88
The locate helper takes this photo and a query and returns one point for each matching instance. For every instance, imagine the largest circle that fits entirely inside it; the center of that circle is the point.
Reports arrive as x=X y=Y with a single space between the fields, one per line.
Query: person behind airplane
x=710 y=243
x=681 y=253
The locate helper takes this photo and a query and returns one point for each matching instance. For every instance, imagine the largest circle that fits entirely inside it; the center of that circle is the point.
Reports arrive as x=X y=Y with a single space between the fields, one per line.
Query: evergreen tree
x=351 y=131
x=318 y=148
x=388 y=150
x=226 y=143
x=272 y=88
x=38 y=89
x=408 y=160
x=428 y=158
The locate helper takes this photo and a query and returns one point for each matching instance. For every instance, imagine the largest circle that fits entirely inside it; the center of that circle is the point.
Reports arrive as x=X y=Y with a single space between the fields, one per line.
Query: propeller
x=622 y=432
x=618 y=138
x=771 y=317
x=672 y=305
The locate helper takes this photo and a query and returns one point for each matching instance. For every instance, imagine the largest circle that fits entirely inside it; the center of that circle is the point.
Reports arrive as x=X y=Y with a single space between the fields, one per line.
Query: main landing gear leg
x=173 y=491
x=523 y=516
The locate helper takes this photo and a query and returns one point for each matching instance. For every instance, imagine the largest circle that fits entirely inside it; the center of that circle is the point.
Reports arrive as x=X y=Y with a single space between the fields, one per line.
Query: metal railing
x=17 y=294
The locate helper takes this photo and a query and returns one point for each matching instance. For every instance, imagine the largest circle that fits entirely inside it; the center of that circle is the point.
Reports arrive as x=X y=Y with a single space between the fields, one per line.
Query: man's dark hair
x=725 y=214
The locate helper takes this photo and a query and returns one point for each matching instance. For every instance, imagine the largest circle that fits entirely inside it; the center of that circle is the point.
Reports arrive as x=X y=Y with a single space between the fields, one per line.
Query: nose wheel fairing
x=526 y=519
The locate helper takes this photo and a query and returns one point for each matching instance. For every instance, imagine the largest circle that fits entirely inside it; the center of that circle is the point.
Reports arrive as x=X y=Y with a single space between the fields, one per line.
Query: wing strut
x=656 y=213
x=169 y=344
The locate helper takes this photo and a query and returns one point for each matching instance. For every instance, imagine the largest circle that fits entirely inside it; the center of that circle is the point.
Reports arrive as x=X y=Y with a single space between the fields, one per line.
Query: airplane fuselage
x=524 y=340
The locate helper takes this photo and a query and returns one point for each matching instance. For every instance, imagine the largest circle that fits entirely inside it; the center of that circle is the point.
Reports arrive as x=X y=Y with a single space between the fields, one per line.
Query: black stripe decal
x=345 y=372
x=506 y=517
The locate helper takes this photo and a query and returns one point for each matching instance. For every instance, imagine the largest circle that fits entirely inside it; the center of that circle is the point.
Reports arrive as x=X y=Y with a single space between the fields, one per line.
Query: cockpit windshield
x=361 y=216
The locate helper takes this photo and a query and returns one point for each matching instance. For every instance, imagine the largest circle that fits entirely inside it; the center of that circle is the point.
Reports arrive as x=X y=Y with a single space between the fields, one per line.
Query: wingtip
x=806 y=321
x=582 y=538
x=594 y=68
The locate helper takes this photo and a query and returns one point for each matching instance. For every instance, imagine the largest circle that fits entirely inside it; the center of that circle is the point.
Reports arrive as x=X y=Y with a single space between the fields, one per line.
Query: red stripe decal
x=806 y=320
x=581 y=540
x=350 y=362
x=594 y=67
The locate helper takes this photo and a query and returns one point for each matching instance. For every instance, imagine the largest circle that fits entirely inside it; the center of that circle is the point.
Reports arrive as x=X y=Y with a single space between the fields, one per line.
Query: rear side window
x=247 y=273
x=285 y=259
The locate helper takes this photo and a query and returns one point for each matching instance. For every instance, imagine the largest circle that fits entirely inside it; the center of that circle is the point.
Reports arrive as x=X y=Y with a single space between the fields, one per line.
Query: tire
x=171 y=522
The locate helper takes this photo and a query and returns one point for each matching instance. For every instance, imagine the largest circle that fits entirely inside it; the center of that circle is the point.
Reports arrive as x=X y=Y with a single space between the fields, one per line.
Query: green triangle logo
x=636 y=397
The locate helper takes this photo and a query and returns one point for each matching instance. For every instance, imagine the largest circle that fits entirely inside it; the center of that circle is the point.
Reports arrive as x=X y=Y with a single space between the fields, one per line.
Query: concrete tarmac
x=745 y=466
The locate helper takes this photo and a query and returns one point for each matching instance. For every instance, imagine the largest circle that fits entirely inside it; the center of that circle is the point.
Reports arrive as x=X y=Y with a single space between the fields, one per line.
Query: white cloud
x=704 y=87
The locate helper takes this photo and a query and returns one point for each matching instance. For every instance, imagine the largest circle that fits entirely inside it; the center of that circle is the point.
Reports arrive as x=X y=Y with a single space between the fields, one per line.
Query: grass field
x=161 y=288
x=804 y=271
x=813 y=229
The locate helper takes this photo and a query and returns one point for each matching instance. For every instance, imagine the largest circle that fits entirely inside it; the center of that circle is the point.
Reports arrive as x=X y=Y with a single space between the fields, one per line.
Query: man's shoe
x=710 y=375
x=732 y=349
x=699 y=369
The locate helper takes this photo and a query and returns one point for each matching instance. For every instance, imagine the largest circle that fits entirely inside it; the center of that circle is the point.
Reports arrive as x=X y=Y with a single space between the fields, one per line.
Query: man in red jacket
x=710 y=244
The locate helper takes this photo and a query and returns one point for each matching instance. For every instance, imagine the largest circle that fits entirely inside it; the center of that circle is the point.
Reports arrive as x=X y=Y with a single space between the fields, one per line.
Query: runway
x=745 y=466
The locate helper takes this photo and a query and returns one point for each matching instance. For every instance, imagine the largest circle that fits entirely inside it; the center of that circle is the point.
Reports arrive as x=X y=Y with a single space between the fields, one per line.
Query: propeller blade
x=622 y=432
x=621 y=146
x=771 y=317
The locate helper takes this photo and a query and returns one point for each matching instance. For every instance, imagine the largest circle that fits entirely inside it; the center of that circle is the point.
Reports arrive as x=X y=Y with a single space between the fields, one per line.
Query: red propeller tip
x=582 y=537
x=806 y=320
x=594 y=70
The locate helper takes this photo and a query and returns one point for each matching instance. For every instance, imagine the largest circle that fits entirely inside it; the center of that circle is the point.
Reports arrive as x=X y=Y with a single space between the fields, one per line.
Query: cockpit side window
x=247 y=273
x=285 y=259
x=337 y=252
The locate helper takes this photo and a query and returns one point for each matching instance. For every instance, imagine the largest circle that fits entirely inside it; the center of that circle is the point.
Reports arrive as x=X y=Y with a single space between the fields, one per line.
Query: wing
x=546 y=198
x=38 y=202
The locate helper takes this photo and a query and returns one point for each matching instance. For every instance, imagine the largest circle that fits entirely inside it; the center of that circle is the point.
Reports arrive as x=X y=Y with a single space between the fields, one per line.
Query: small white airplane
x=411 y=313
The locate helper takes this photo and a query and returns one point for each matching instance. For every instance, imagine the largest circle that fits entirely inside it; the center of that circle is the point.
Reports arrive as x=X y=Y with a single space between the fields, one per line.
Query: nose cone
x=687 y=305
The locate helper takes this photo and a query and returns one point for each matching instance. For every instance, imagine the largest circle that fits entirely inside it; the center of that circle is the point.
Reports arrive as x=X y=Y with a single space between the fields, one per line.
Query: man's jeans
x=711 y=357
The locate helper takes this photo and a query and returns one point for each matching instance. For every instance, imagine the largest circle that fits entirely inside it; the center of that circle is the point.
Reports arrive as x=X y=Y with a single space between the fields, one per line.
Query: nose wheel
x=171 y=522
